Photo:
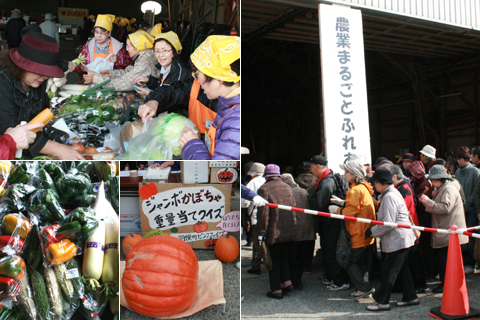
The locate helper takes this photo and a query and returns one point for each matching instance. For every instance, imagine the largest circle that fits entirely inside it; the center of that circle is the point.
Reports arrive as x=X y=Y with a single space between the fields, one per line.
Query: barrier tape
x=388 y=224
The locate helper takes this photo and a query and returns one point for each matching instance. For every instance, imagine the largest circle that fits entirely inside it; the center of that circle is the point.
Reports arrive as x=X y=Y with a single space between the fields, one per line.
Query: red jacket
x=407 y=194
x=8 y=147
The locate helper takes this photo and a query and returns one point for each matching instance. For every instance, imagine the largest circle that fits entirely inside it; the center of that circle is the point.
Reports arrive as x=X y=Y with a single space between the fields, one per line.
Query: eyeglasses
x=101 y=33
x=164 y=52
x=195 y=75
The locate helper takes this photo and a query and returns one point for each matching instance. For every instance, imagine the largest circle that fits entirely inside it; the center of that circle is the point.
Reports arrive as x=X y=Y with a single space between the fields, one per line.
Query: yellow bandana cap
x=156 y=30
x=172 y=38
x=124 y=21
x=105 y=21
x=214 y=56
x=91 y=16
x=141 y=40
x=132 y=21
x=117 y=20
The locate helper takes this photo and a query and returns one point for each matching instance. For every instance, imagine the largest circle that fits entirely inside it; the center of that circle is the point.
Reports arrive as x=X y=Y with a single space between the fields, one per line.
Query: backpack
x=341 y=186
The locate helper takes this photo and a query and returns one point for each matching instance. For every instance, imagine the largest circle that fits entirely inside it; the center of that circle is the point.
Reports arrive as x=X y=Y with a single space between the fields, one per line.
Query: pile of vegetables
x=59 y=239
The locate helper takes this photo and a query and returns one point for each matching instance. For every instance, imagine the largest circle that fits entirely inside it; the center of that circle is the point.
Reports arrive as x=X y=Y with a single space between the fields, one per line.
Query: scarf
x=323 y=176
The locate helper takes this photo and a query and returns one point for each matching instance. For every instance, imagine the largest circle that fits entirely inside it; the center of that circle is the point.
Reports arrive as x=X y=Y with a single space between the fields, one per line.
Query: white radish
x=49 y=84
x=74 y=87
x=67 y=94
x=53 y=87
x=94 y=252
x=58 y=81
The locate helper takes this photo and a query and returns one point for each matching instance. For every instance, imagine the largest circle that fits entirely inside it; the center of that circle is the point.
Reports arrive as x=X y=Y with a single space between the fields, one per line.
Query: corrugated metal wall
x=464 y=13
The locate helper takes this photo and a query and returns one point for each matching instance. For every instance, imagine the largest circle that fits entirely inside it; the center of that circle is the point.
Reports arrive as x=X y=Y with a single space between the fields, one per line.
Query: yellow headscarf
x=91 y=16
x=132 y=21
x=105 y=21
x=141 y=40
x=124 y=21
x=214 y=56
x=156 y=30
x=172 y=38
x=117 y=20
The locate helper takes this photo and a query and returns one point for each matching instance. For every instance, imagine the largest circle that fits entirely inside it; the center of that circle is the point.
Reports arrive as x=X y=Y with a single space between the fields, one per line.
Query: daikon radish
x=94 y=253
x=74 y=87
x=67 y=94
x=53 y=87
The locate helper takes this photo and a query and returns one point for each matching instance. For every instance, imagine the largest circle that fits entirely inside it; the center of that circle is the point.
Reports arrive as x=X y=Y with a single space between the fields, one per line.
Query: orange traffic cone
x=455 y=303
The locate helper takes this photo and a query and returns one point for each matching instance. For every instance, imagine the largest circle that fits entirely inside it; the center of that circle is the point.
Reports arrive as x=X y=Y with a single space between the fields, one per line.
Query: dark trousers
x=300 y=255
x=416 y=270
x=427 y=255
x=329 y=233
x=471 y=220
x=359 y=267
x=310 y=249
x=246 y=224
x=280 y=254
x=395 y=263
x=257 y=251
x=442 y=262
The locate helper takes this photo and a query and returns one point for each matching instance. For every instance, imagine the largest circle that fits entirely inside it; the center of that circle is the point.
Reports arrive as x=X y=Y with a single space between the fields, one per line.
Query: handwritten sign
x=230 y=222
x=190 y=237
x=184 y=206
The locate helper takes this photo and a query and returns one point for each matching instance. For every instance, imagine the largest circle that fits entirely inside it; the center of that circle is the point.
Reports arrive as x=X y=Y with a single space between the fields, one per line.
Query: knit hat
x=16 y=14
x=105 y=21
x=215 y=55
x=171 y=37
x=38 y=53
x=141 y=40
x=256 y=168
x=428 y=151
x=355 y=167
x=408 y=157
x=156 y=30
x=272 y=170
x=438 y=172
x=385 y=164
x=379 y=161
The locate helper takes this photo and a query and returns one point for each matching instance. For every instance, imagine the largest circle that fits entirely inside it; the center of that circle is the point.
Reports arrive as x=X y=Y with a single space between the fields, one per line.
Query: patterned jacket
x=123 y=79
x=123 y=58
x=278 y=226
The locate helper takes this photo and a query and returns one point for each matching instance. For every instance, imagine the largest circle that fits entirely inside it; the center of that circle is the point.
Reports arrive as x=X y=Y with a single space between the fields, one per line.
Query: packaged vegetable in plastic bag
x=5 y=167
x=15 y=196
x=10 y=245
x=54 y=292
x=40 y=295
x=32 y=246
x=45 y=204
x=75 y=276
x=16 y=225
x=60 y=252
x=93 y=305
x=79 y=224
x=161 y=141
x=72 y=186
x=42 y=180
x=25 y=298
x=12 y=267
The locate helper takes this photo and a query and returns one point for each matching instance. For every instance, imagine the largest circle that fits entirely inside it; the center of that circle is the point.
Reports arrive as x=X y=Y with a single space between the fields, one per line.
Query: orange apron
x=200 y=114
x=103 y=55
x=212 y=131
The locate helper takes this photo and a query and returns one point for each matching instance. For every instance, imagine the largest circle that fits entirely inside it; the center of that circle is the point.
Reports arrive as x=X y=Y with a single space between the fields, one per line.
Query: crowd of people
x=428 y=192
x=147 y=60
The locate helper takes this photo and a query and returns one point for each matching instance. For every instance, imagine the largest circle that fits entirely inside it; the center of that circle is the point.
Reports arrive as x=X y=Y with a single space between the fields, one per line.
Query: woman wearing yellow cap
x=171 y=67
x=139 y=47
x=217 y=61
x=103 y=45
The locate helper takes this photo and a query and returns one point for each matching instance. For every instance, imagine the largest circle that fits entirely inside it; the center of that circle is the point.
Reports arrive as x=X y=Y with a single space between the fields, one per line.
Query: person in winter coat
x=396 y=243
x=104 y=45
x=468 y=175
x=217 y=61
x=336 y=278
x=16 y=138
x=22 y=88
x=139 y=47
x=359 y=204
x=306 y=179
x=50 y=28
x=277 y=228
x=447 y=210
x=13 y=29
x=302 y=249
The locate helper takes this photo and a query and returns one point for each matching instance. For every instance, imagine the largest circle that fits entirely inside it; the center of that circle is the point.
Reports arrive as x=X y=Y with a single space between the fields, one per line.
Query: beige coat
x=447 y=210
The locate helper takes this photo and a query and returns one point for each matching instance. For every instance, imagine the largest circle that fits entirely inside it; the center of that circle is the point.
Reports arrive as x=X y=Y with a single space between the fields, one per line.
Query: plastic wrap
x=5 y=167
x=60 y=252
x=16 y=225
x=25 y=298
x=42 y=180
x=31 y=252
x=161 y=141
x=93 y=305
x=15 y=196
x=45 y=204
x=10 y=245
x=75 y=276
x=54 y=292
x=72 y=185
x=12 y=267
x=79 y=224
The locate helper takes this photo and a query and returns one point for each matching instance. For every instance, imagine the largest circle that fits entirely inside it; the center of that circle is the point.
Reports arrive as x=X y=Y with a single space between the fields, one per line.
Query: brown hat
x=38 y=53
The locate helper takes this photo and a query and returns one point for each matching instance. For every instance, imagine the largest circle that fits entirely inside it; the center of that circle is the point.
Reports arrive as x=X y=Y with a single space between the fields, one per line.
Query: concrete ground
x=316 y=302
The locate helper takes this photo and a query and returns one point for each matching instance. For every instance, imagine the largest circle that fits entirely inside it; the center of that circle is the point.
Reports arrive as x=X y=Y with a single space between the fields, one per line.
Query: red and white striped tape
x=389 y=224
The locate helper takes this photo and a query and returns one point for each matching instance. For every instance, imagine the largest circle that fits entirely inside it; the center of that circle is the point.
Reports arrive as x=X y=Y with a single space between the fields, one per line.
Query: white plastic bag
x=100 y=64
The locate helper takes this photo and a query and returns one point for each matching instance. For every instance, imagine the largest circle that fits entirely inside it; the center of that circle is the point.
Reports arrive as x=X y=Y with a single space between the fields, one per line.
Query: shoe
x=469 y=270
x=361 y=294
x=326 y=281
x=288 y=289
x=438 y=289
x=334 y=287
x=298 y=286
x=420 y=290
x=274 y=295
x=255 y=271
x=238 y=265
x=378 y=307
x=307 y=271
x=415 y=302
x=248 y=244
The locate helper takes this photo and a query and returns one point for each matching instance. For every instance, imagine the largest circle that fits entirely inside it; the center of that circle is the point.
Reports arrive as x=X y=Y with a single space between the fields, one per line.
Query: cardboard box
x=194 y=172
x=223 y=175
x=186 y=211
x=129 y=216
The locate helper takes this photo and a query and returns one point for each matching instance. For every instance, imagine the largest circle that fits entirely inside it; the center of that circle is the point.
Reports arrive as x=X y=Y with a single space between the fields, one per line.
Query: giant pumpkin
x=161 y=275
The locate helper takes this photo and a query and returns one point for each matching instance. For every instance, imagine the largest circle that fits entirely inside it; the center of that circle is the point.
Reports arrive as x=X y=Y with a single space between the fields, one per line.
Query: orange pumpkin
x=200 y=226
x=129 y=241
x=227 y=248
x=161 y=276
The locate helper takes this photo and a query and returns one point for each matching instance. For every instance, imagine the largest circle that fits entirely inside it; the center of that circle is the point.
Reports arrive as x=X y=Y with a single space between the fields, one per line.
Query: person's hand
x=83 y=68
x=142 y=91
x=167 y=164
x=64 y=152
x=336 y=200
x=148 y=110
x=89 y=77
x=333 y=209
x=187 y=135
x=71 y=66
x=368 y=233
x=259 y=201
x=105 y=73
x=113 y=58
x=155 y=165
x=141 y=80
x=424 y=198
x=22 y=134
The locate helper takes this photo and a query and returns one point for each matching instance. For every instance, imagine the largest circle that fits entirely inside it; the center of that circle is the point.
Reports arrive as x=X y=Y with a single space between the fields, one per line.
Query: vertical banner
x=344 y=90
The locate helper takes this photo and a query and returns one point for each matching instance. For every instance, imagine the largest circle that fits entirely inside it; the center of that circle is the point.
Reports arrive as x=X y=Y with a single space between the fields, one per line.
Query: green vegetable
x=77 y=281
x=79 y=224
x=43 y=180
x=45 y=204
x=32 y=252
x=85 y=200
x=26 y=298
x=65 y=284
x=16 y=196
x=18 y=174
x=98 y=86
x=40 y=295
x=107 y=113
x=53 y=291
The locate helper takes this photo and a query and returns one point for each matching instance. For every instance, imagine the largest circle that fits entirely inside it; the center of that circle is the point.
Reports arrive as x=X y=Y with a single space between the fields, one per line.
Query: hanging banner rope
x=388 y=224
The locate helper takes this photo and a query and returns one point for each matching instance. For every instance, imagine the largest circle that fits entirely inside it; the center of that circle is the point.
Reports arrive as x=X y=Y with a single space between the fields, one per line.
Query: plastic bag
x=112 y=140
x=45 y=204
x=100 y=64
x=16 y=225
x=93 y=305
x=161 y=141
x=79 y=224
x=16 y=195
x=60 y=252
x=25 y=298
x=5 y=167
x=75 y=276
x=42 y=180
